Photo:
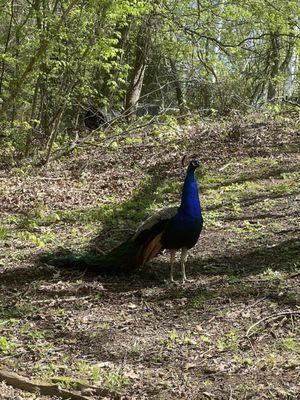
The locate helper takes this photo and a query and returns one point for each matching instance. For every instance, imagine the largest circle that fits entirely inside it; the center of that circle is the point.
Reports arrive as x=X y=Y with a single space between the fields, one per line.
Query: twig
x=252 y=347
x=293 y=325
x=225 y=166
x=254 y=304
x=45 y=178
x=62 y=300
x=63 y=152
x=269 y=317
x=230 y=392
x=294 y=275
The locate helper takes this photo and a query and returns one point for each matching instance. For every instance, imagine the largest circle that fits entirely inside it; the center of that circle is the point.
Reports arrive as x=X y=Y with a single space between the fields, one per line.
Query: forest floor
x=231 y=333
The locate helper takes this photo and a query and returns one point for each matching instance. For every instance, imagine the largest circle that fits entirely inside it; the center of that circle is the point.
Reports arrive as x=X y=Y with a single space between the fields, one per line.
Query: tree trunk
x=286 y=68
x=141 y=60
x=53 y=133
x=181 y=102
x=274 y=57
x=6 y=45
x=32 y=122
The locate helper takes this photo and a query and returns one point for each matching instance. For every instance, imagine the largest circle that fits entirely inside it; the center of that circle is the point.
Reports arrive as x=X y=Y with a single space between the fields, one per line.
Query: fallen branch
x=106 y=127
x=23 y=383
x=64 y=152
x=270 y=317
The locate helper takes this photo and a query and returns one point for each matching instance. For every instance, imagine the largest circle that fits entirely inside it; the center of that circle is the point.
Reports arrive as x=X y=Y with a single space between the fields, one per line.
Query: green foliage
x=68 y=382
x=271 y=275
x=7 y=346
x=115 y=381
x=219 y=58
x=229 y=341
x=4 y=232
x=291 y=345
x=18 y=311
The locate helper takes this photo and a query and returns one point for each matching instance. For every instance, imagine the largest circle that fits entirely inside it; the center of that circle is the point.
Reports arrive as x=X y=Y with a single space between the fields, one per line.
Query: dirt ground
x=231 y=333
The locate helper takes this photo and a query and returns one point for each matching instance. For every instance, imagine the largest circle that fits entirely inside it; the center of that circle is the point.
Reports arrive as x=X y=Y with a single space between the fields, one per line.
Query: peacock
x=172 y=228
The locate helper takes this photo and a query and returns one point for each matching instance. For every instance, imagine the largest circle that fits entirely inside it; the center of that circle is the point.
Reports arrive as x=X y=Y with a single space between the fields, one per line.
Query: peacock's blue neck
x=190 y=203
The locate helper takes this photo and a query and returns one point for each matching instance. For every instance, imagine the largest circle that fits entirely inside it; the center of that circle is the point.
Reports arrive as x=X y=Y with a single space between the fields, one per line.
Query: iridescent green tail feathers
x=122 y=259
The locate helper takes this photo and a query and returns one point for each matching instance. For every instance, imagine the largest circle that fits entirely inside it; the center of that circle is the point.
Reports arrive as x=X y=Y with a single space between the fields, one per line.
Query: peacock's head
x=193 y=164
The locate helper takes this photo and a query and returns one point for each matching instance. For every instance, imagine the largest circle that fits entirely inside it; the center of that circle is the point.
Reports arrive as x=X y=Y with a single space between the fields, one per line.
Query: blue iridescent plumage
x=184 y=228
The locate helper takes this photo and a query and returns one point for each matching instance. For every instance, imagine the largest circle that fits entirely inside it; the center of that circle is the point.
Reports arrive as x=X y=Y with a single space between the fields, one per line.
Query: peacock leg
x=172 y=261
x=184 y=254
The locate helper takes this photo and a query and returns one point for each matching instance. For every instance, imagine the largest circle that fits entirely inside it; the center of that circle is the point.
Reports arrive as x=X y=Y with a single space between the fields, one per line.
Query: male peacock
x=172 y=228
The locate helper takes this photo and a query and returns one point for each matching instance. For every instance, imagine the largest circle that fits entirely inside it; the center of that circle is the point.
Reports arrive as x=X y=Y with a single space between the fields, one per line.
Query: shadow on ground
x=282 y=257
